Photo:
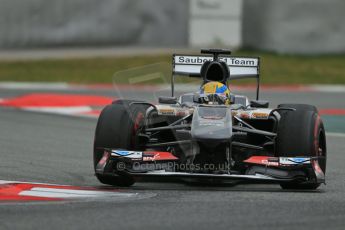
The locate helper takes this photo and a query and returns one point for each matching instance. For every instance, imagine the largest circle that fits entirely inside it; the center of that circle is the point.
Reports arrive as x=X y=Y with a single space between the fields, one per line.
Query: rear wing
x=240 y=67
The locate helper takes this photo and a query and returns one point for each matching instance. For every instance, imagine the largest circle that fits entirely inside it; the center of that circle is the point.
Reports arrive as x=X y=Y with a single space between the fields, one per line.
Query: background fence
x=294 y=26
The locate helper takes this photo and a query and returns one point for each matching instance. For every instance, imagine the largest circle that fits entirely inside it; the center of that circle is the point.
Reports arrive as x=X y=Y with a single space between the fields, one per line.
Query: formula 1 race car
x=211 y=136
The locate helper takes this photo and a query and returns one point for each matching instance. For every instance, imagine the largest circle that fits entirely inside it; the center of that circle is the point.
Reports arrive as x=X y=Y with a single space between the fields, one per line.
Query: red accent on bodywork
x=104 y=159
x=263 y=160
x=158 y=156
x=318 y=171
x=316 y=166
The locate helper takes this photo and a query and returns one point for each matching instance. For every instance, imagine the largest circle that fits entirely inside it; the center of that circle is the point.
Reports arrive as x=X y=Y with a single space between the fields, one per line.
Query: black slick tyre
x=301 y=133
x=117 y=128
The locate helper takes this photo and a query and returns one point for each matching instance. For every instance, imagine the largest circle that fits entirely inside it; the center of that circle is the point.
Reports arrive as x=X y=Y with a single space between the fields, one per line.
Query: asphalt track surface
x=58 y=149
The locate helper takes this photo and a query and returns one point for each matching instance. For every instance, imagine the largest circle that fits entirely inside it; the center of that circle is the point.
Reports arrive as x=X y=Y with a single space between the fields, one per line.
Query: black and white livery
x=212 y=138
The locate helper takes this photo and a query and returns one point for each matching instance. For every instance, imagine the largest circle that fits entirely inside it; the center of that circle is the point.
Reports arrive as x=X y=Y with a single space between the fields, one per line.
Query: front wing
x=151 y=165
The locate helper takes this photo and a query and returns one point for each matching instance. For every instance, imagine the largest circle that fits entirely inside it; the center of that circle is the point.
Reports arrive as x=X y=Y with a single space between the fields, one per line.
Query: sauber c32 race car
x=211 y=136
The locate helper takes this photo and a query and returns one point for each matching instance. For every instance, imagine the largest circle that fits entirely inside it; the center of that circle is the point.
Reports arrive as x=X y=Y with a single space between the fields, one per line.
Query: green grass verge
x=275 y=69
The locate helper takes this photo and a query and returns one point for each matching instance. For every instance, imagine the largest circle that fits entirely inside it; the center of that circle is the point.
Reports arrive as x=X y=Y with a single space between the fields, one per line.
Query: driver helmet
x=214 y=92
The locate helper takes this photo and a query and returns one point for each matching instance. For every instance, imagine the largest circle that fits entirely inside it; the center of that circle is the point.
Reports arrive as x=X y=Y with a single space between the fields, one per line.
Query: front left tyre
x=117 y=128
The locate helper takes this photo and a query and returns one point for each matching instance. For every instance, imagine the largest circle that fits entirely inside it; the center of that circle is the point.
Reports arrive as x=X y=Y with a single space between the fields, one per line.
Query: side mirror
x=167 y=100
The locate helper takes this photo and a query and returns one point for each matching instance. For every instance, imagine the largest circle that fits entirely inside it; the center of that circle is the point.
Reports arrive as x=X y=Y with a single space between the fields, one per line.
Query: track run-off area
x=46 y=173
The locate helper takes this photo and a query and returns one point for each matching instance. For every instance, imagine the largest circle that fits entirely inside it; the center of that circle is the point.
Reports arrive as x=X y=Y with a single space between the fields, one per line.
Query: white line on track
x=31 y=85
x=329 y=88
x=335 y=135
x=72 y=193
x=66 y=191
x=26 y=182
x=60 y=110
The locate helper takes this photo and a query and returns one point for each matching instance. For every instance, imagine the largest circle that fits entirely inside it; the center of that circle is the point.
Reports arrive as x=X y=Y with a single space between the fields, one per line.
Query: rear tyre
x=301 y=132
x=117 y=127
